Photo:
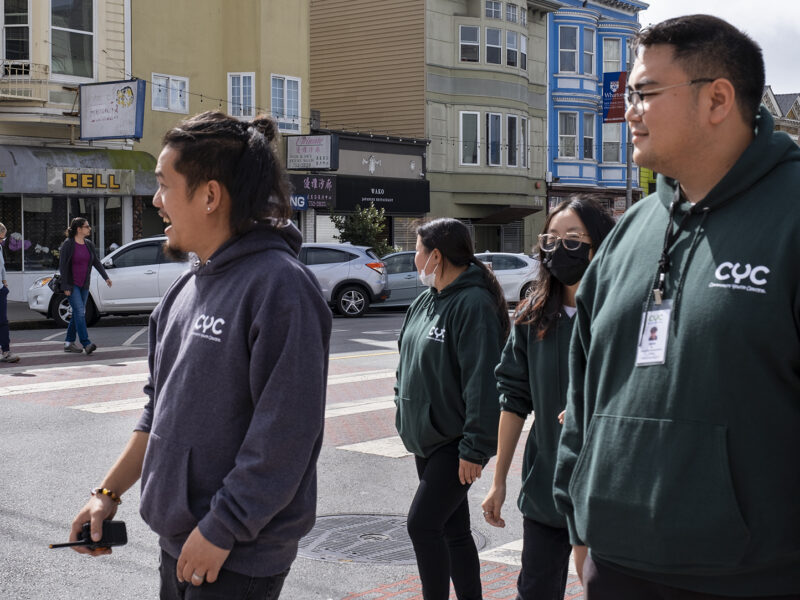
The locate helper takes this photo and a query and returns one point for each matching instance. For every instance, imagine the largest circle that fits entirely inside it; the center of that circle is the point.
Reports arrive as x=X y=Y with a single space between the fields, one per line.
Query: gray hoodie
x=238 y=368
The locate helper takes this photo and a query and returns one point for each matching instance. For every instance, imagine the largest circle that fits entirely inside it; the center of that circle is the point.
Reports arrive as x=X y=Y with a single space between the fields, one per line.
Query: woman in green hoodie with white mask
x=446 y=400
x=532 y=377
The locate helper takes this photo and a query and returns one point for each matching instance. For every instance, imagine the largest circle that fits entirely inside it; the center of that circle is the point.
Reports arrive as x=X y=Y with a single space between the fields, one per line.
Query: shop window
x=241 y=94
x=16 y=36
x=567 y=134
x=170 y=93
x=588 y=135
x=11 y=217
x=511 y=48
x=469 y=41
x=44 y=221
x=494 y=46
x=511 y=130
x=493 y=135
x=285 y=102
x=612 y=57
x=611 y=142
x=468 y=138
x=72 y=38
x=567 y=49
x=494 y=10
x=588 y=52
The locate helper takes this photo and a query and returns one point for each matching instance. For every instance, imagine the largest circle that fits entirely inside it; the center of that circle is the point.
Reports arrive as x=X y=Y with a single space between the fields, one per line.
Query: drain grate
x=377 y=539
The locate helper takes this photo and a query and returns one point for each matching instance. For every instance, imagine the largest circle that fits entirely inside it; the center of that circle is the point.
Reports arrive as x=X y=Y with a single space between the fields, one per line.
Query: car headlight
x=42 y=281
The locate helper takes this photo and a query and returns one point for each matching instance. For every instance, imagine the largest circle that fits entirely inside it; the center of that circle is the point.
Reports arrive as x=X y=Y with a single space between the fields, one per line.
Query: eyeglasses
x=635 y=98
x=87 y=226
x=572 y=241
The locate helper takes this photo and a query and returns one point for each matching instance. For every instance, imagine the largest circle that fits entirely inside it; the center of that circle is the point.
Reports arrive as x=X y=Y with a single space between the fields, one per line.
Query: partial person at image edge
x=6 y=355
x=680 y=476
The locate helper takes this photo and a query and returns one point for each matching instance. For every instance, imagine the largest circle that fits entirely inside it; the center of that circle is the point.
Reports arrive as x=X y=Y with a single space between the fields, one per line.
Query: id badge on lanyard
x=654 y=328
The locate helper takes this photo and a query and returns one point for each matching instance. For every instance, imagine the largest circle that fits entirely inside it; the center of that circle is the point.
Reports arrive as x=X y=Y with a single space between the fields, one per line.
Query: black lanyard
x=669 y=239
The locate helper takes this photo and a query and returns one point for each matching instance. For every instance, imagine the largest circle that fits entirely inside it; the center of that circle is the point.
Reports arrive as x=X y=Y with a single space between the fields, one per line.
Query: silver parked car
x=351 y=277
x=515 y=273
x=403 y=279
x=141 y=274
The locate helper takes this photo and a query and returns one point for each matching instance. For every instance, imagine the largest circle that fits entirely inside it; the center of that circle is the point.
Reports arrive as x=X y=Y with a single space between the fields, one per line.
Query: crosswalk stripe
x=391 y=447
x=134 y=337
x=60 y=352
x=341 y=409
x=360 y=376
x=53 y=386
x=113 y=405
x=511 y=554
x=57 y=368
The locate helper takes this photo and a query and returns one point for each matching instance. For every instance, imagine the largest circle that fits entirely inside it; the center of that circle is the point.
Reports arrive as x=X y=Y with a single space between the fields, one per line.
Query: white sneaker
x=9 y=357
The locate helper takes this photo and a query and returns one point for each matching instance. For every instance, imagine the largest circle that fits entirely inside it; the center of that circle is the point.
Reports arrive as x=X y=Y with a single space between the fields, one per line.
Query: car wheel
x=352 y=301
x=526 y=292
x=61 y=311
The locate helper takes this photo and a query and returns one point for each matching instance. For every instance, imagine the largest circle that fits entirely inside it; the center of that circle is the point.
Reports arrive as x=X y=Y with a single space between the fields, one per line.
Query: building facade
x=586 y=155
x=184 y=56
x=467 y=76
x=785 y=109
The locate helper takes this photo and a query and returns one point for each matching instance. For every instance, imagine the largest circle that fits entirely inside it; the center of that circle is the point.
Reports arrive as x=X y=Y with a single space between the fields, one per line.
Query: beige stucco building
x=468 y=77
x=171 y=59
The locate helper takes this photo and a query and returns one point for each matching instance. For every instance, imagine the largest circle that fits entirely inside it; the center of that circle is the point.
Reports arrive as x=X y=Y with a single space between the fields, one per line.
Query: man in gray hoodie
x=228 y=442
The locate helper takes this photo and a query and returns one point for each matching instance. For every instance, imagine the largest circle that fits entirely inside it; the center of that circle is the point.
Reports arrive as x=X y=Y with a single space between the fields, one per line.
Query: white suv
x=140 y=273
x=351 y=277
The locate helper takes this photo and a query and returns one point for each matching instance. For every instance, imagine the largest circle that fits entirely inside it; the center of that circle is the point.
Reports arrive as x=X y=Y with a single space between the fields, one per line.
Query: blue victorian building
x=586 y=39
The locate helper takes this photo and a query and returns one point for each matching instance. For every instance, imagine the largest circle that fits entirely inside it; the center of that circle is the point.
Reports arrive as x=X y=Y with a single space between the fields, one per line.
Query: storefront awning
x=507 y=214
x=78 y=171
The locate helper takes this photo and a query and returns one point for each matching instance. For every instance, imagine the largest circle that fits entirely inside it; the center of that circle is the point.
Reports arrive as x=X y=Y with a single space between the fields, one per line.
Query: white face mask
x=428 y=279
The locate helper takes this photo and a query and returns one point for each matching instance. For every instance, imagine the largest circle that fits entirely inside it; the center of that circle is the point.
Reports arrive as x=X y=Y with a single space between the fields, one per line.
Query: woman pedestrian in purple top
x=77 y=256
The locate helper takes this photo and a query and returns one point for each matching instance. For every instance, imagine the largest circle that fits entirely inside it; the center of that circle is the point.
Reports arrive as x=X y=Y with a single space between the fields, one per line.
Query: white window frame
x=285 y=122
x=563 y=136
x=617 y=143
x=494 y=125
x=242 y=111
x=499 y=47
x=174 y=100
x=589 y=134
x=3 y=28
x=589 y=37
x=523 y=16
x=512 y=147
x=523 y=52
x=72 y=78
x=616 y=65
x=511 y=12
x=462 y=43
x=562 y=51
x=512 y=49
x=477 y=117
x=496 y=10
x=523 y=142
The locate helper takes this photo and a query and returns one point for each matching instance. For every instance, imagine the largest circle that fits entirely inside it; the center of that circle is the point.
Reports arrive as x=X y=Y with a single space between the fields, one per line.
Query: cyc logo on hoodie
x=208 y=327
x=436 y=334
x=736 y=276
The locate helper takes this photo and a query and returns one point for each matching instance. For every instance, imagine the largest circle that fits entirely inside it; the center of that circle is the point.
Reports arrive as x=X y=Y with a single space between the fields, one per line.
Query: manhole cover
x=381 y=539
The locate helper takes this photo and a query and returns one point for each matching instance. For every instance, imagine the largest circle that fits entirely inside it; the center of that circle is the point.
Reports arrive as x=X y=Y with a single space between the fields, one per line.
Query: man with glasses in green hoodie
x=676 y=462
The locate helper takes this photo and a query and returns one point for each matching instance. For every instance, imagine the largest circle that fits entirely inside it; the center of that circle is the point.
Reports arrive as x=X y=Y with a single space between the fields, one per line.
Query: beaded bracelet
x=107 y=492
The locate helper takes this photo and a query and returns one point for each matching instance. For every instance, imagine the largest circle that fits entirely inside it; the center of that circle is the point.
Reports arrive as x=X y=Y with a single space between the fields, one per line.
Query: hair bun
x=266 y=125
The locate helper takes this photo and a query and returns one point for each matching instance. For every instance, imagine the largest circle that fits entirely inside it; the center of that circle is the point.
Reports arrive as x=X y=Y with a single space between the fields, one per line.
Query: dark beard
x=174 y=254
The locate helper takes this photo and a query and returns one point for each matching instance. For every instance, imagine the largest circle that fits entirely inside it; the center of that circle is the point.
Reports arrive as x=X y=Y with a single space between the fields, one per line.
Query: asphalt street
x=67 y=417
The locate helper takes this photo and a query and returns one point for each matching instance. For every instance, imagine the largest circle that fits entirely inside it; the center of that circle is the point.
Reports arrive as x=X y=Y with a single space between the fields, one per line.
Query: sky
x=774 y=24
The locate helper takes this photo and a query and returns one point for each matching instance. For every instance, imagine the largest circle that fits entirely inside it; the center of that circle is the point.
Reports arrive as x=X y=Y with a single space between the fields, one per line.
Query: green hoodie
x=532 y=377
x=686 y=473
x=449 y=345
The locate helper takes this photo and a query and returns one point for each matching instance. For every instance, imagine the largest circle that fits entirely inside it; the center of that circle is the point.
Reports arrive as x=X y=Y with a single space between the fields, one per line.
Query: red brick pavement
x=499 y=583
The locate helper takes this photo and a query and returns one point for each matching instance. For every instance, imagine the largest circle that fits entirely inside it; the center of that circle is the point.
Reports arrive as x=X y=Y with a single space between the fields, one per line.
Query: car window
x=505 y=263
x=144 y=254
x=163 y=258
x=372 y=254
x=325 y=256
x=400 y=263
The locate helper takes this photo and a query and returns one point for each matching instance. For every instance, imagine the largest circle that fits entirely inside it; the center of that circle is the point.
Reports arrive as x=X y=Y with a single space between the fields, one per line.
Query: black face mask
x=568 y=266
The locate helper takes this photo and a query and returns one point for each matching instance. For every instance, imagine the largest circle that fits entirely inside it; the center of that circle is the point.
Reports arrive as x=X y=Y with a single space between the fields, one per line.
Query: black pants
x=602 y=582
x=545 y=562
x=438 y=524
x=228 y=586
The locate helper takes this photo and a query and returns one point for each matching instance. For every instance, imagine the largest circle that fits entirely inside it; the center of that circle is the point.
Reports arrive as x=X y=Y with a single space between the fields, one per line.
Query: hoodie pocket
x=164 y=503
x=657 y=494
x=415 y=426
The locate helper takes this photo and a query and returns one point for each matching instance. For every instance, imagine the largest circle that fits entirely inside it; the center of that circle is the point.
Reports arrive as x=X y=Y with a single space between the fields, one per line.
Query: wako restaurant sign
x=312 y=191
x=393 y=194
x=614 y=96
x=97 y=182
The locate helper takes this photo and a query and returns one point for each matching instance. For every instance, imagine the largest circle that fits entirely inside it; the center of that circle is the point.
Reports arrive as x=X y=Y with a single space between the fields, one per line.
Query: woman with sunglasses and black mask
x=76 y=257
x=532 y=377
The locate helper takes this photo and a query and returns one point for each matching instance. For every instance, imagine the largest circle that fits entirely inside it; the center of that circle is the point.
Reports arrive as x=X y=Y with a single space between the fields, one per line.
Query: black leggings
x=438 y=524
